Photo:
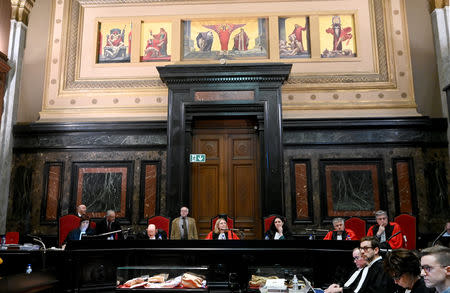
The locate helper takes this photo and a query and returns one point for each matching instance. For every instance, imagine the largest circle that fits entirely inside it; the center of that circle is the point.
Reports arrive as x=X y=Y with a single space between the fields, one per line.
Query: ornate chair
x=230 y=221
x=12 y=237
x=267 y=222
x=66 y=224
x=408 y=227
x=357 y=225
x=161 y=223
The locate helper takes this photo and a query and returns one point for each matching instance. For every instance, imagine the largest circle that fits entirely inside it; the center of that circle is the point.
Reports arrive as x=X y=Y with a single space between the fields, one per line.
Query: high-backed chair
x=408 y=227
x=230 y=221
x=93 y=225
x=161 y=223
x=12 y=237
x=357 y=225
x=267 y=222
x=66 y=224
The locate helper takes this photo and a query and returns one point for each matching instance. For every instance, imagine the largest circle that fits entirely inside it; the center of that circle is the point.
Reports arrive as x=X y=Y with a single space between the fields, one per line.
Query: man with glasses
x=435 y=268
x=353 y=281
x=373 y=279
x=388 y=233
x=340 y=233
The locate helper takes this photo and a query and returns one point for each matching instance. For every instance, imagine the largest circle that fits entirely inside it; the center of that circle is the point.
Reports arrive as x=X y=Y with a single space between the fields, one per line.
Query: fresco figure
x=241 y=41
x=205 y=41
x=156 y=45
x=297 y=33
x=339 y=34
x=224 y=32
x=114 y=44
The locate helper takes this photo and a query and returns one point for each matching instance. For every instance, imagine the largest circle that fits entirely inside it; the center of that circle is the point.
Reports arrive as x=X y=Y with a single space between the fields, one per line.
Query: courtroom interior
x=257 y=120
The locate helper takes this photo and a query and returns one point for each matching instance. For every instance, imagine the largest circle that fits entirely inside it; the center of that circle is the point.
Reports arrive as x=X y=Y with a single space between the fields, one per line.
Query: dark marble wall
x=420 y=142
x=70 y=145
x=353 y=147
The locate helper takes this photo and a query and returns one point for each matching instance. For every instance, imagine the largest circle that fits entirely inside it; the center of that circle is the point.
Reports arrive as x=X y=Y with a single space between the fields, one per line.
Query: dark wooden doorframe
x=264 y=81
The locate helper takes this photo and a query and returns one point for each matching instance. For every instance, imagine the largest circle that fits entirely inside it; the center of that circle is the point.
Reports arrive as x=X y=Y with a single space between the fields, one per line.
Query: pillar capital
x=436 y=4
x=20 y=9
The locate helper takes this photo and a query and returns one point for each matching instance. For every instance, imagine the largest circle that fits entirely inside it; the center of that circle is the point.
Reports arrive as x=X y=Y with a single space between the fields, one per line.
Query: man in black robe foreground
x=374 y=279
x=353 y=281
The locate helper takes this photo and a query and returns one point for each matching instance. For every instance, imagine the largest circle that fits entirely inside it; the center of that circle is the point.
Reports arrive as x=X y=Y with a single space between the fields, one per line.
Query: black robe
x=377 y=280
x=102 y=227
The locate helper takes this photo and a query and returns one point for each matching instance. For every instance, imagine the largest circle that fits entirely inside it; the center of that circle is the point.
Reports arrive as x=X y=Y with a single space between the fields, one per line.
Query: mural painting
x=337 y=36
x=294 y=37
x=225 y=39
x=114 y=42
x=155 y=44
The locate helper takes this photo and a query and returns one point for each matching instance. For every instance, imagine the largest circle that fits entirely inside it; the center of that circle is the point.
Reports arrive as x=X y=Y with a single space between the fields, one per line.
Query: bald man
x=81 y=210
x=155 y=234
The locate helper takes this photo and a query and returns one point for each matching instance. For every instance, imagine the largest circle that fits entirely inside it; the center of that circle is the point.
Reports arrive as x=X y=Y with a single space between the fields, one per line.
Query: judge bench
x=92 y=265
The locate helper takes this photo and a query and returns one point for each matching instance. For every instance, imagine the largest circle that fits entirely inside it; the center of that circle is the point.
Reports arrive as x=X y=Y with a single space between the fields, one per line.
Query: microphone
x=392 y=236
x=437 y=238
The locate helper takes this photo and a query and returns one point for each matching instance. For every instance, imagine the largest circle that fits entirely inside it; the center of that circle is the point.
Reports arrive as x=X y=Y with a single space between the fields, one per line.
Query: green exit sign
x=197 y=158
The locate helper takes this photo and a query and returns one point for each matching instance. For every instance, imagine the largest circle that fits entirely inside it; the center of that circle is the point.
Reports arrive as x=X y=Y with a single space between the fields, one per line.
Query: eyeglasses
x=356 y=258
x=428 y=269
x=365 y=248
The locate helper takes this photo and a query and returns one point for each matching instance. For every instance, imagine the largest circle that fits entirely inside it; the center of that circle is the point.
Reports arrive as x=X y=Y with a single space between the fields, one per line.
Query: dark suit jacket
x=160 y=235
x=75 y=234
x=102 y=227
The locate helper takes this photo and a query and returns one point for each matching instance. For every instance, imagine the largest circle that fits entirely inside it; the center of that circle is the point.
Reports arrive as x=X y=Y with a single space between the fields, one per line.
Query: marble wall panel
x=301 y=196
x=53 y=177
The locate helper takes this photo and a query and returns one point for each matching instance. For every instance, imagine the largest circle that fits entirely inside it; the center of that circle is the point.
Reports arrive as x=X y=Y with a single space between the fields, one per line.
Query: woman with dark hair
x=404 y=267
x=278 y=230
x=84 y=228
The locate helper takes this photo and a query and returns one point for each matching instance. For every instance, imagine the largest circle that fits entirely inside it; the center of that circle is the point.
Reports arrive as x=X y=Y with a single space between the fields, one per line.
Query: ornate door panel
x=228 y=182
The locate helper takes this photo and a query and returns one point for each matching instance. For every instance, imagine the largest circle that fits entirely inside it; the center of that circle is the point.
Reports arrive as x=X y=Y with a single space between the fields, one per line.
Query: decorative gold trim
x=437 y=4
x=20 y=9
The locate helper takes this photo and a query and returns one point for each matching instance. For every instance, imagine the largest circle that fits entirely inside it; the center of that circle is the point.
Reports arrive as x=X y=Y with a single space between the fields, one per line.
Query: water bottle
x=3 y=240
x=28 y=270
x=295 y=283
x=311 y=237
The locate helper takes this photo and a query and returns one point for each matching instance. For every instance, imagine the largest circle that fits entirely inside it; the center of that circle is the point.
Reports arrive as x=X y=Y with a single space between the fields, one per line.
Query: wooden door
x=228 y=182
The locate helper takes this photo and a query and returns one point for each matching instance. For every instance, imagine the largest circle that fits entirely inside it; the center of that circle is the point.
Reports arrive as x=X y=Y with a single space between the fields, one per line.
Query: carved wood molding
x=436 y=4
x=20 y=9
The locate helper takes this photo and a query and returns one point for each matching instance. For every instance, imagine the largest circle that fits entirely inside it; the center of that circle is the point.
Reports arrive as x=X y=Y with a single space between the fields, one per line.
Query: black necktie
x=185 y=231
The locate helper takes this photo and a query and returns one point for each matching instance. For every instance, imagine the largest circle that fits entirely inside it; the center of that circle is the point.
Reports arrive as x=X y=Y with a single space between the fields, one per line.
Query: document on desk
x=275 y=284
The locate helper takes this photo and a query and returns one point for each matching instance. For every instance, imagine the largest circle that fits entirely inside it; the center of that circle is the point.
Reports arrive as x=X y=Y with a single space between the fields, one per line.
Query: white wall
x=424 y=66
x=33 y=74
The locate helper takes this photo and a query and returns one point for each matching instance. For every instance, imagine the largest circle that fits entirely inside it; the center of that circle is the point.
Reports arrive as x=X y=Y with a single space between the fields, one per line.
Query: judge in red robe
x=339 y=232
x=221 y=232
x=384 y=231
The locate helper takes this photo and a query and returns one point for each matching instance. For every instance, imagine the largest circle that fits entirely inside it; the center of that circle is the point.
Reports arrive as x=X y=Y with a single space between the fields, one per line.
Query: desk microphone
x=393 y=236
x=437 y=238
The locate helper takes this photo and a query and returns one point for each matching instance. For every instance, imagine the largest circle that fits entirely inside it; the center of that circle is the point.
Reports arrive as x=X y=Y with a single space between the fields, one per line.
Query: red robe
x=396 y=242
x=349 y=236
x=231 y=236
x=224 y=32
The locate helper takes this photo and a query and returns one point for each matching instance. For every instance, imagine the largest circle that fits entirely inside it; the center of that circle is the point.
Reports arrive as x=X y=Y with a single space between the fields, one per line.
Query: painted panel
x=155 y=41
x=294 y=37
x=337 y=36
x=114 y=42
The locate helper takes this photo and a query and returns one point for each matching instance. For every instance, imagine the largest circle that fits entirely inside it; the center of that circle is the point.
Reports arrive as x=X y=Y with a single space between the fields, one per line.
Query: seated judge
x=221 y=231
x=109 y=224
x=340 y=233
x=278 y=230
x=183 y=227
x=154 y=234
x=388 y=233
x=81 y=210
x=404 y=267
x=83 y=229
x=353 y=281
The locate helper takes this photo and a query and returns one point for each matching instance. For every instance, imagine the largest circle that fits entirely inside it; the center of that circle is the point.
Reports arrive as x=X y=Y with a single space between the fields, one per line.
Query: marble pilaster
x=11 y=99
